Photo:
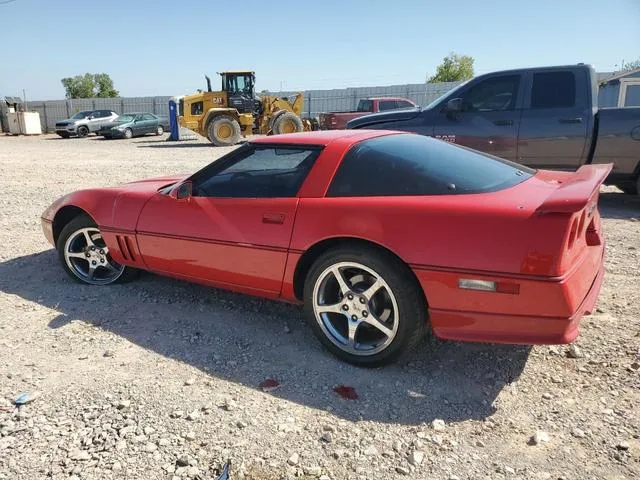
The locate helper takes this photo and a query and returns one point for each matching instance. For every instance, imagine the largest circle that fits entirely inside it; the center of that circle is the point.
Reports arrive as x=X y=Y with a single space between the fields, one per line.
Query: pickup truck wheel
x=630 y=189
x=287 y=123
x=224 y=131
x=83 y=131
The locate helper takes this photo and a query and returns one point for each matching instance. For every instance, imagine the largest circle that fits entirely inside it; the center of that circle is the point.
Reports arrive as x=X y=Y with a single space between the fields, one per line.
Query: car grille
x=62 y=124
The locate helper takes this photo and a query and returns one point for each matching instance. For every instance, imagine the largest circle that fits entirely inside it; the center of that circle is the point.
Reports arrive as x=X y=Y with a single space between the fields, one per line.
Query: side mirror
x=453 y=106
x=182 y=191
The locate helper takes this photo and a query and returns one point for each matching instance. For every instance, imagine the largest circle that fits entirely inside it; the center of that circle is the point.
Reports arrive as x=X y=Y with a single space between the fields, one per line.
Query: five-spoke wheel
x=364 y=305
x=85 y=256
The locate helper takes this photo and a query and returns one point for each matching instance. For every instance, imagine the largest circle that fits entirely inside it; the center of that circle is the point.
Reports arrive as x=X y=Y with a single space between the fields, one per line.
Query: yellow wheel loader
x=225 y=116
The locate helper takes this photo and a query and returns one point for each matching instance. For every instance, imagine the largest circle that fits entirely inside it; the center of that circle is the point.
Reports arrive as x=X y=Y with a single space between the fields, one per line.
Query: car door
x=555 y=121
x=137 y=126
x=234 y=230
x=149 y=123
x=489 y=117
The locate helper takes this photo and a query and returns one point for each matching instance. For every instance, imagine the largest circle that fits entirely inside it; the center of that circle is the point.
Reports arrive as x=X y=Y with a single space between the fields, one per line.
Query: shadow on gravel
x=243 y=340
x=619 y=205
x=178 y=145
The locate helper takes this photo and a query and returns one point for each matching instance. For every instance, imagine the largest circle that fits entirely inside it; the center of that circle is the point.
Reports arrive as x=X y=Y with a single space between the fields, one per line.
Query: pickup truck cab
x=544 y=118
x=338 y=120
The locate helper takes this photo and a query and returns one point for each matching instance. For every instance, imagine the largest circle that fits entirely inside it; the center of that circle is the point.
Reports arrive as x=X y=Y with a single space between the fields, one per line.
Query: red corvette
x=380 y=234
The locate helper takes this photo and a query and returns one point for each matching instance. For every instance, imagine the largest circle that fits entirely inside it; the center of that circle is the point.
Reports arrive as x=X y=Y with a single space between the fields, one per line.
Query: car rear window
x=409 y=164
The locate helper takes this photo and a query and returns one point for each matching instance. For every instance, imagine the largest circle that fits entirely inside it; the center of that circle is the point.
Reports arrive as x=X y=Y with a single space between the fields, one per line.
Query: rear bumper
x=527 y=329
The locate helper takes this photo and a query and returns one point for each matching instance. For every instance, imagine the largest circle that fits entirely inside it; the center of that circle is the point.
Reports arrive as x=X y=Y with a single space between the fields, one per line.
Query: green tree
x=105 y=86
x=89 y=86
x=453 y=68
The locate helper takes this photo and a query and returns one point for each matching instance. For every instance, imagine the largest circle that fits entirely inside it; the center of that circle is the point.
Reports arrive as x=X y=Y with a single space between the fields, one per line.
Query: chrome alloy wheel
x=355 y=308
x=87 y=256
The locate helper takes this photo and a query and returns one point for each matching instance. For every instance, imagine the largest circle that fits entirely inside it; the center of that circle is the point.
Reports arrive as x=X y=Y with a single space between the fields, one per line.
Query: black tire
x=82 y=131
x=629 y=188
x=288 y=122
x=159 y=130
x=128 y=133
x=78 y=223
x=224 y=131
x=411 y=303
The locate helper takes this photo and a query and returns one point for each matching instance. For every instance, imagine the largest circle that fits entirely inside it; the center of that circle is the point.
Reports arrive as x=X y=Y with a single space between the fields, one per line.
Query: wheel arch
x=316 y=250
x=213 y=113
x=64 y=216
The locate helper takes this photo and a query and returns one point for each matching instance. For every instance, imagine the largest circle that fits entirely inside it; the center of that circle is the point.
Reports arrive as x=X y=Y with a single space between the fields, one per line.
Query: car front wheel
x=364 y=306
x=85 y=256
x=128 y=133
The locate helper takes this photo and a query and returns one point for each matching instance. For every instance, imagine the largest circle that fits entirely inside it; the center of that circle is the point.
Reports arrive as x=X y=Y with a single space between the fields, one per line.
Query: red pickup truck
x=338 y=120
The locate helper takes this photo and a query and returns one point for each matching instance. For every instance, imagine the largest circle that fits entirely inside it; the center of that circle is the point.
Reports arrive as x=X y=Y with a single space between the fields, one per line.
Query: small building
x=620 y=90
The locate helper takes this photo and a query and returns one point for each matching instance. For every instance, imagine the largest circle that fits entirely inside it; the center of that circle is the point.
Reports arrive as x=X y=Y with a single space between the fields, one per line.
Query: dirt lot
x=159 y=378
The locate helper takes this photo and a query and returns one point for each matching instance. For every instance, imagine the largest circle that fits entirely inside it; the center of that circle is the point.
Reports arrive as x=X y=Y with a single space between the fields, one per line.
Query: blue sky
x=165 y=47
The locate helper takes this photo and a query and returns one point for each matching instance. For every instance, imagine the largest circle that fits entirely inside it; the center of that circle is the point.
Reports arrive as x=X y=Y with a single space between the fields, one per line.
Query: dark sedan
x=129 y=125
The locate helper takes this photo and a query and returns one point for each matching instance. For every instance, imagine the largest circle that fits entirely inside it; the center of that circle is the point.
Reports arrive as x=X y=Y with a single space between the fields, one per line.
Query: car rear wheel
x=364 y=306
x=159 y=130
x=128 y=133
x=85 y=256
x=82 y=131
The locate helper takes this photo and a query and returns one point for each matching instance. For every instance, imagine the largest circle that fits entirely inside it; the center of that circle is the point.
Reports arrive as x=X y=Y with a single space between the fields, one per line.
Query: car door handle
x=503 y=122
x=570 y=120
x=274 y=218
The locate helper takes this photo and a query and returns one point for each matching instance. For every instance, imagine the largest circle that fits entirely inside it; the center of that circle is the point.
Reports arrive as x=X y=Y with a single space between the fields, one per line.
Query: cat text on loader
x=236 y=111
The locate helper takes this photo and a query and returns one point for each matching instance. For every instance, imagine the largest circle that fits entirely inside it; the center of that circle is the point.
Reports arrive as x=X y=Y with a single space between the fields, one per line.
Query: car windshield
x=125 y=118
x=446 y=94
x=81 y=115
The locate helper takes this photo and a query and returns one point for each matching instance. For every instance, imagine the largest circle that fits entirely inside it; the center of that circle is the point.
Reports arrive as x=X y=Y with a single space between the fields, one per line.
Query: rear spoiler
x=574 y=194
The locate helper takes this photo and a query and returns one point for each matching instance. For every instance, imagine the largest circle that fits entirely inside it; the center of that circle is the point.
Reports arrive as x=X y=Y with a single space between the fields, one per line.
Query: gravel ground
x=161 y=379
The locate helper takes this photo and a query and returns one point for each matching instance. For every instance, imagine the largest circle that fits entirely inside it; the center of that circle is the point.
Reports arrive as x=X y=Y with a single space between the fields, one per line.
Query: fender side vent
x=121 y=247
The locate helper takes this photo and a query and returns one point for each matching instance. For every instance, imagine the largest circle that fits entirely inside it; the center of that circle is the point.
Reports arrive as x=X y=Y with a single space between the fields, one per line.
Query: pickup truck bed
x=338 y=120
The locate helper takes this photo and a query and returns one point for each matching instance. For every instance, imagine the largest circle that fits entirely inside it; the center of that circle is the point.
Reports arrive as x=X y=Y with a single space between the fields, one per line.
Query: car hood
x=152 y=184
x=382 y=117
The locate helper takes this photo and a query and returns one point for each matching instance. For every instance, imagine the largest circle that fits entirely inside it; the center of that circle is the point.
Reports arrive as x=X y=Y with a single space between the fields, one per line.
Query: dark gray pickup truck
x=540 y=117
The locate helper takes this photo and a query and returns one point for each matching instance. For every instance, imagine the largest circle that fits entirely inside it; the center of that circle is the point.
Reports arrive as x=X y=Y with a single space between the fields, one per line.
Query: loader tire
x=224 y=131
x=287 y=123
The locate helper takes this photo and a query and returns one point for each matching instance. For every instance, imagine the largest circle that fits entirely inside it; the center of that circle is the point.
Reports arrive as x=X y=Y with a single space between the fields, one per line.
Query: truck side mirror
x=453 y=106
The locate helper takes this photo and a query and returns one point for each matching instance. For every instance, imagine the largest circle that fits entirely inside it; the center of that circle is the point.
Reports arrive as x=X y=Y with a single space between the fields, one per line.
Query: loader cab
x=239 y=87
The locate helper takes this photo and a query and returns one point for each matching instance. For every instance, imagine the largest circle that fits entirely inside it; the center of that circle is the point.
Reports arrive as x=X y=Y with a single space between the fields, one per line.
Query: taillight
x=573 y=233
x=592 y=236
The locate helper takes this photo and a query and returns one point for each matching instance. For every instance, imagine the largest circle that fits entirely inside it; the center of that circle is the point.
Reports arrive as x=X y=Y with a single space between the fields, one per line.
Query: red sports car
x=382 y=235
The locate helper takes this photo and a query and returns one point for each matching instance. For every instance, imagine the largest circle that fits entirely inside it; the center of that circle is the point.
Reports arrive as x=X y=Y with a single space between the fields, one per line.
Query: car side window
x=493 y=94
x=387 y=105
x=197 y=108
x=148 y=116
x=408 y=164
x=553 y=90
x=260 y=172
x=404 y=104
